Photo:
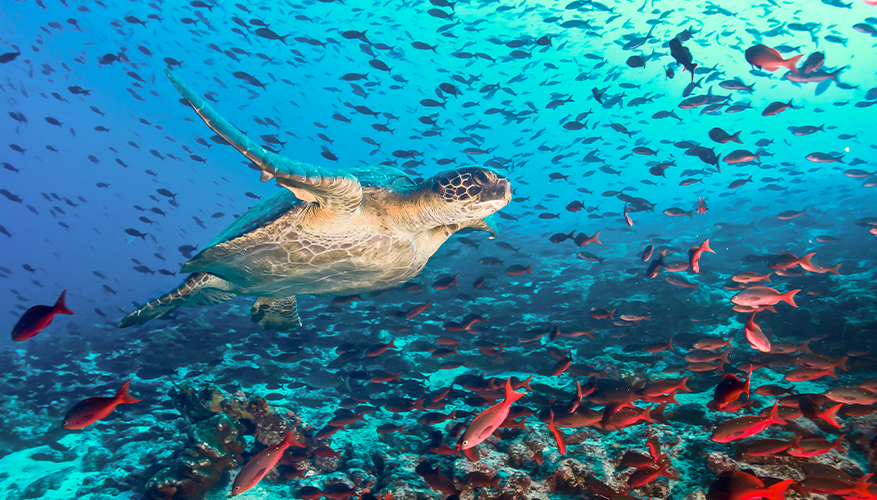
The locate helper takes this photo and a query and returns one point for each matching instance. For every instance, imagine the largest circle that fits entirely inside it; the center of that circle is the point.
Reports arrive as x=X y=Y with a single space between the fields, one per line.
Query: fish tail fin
x=835 y=269
x=767 y=277
x=789 y=297
x=596 y=238
x=792 y=64
x=61 y=306
x=684 y=385
x=706 y=247
x=806 y=345
x=805 y=260
x=510 y=395
x=656 y=414
x=778 y=490
x=839 y=446
x=124 y=397
x=748 y=381
x=775 y=415
x=830 y=415
x=736 y=137
x=841 y=364
x=289 y=440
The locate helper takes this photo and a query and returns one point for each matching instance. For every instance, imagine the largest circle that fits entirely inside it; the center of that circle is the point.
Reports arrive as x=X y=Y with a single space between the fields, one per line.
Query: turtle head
x=471 y=193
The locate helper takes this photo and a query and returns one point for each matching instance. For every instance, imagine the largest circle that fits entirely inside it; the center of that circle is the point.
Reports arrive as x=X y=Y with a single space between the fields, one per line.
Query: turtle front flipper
x=337 y=191
x=276 y=314
x=199 y=289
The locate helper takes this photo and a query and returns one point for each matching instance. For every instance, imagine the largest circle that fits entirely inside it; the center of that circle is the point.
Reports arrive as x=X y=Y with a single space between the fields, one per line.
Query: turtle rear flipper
x=337 y=191
x=199 y=289
x=276 y=314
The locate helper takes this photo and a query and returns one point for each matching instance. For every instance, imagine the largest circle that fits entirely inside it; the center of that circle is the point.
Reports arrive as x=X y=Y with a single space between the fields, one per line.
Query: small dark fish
x=682 y=56
x=136 y=233
x=636 y=62
x=9 y=56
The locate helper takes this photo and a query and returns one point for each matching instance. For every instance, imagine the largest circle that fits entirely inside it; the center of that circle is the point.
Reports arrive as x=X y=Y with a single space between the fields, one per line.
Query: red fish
x=737 y=485
x=758 y=296
x=378 y=349
x=757 y=339
x=414 y=311
x=729 y=389
x=36 y=318
x=744 y=427
x=91 y=410
x=558 y=434
x=261 y=464
x=764 y=57
x=487 y=421
x=694 y=254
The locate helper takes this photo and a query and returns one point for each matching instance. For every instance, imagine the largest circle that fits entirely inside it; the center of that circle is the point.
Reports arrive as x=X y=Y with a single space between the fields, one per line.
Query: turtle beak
x=502 y=191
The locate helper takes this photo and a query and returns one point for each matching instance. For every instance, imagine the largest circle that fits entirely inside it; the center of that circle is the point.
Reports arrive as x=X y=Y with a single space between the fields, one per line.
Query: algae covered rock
x=41 y=487
x=215 y=447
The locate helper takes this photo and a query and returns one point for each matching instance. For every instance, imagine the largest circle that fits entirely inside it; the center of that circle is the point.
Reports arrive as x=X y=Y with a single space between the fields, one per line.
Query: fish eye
x=465 y=442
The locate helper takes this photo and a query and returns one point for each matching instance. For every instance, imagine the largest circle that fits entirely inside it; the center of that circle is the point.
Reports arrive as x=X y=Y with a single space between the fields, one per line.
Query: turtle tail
x=199 y=289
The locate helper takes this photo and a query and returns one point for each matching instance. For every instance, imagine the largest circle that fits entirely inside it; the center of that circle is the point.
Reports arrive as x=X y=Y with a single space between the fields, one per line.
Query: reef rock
x=215 y=447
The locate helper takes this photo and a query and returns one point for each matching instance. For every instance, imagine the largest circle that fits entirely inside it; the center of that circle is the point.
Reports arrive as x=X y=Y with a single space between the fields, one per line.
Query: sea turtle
x=330 y=232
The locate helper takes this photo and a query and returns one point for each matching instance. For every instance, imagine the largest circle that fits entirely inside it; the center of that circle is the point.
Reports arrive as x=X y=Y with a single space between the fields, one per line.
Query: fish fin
x=706 y=247
x=830 y=415
x=276 y=314
x=510 y=395
x=289 y=440
x=124 y=397
x=791 y=64
x=748 y=380
x=789 y=297
x=61 y=306
x=778 y=490
x=839 y=446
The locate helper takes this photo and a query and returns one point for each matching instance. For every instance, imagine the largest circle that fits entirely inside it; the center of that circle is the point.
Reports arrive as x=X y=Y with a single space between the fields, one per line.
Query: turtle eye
x=481 y=177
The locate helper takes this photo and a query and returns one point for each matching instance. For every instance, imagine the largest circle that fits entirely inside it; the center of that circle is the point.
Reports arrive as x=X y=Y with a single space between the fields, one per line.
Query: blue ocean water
x=110 y=184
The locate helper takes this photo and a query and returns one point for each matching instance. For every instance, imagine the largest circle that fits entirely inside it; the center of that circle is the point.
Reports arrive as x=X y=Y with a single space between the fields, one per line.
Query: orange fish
x=378 y=349
x=261 y=464
x=558 y=434
x=750 y=277
x=694 y=254
x=758 y=296
x=486 y=422
x=91 y=410
x=737 y=485
x=744 y=427
x=730 y=388
x=764 y=57
x=414 y=311
x=832 y=486
x=36 y=318
x=757 y=339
